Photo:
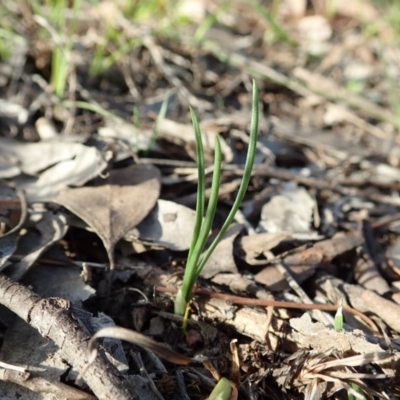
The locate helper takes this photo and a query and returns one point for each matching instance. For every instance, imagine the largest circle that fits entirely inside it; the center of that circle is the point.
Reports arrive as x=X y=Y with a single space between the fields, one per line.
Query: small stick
x=245 y=301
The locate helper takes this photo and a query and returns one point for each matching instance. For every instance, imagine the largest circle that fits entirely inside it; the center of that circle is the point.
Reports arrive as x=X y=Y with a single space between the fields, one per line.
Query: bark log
x=53 y=318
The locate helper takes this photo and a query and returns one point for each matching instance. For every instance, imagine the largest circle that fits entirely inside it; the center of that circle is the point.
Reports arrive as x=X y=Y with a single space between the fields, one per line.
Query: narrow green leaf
x=221 y=391
x=180 y=304
x=202 y=227
x=339 y=318
x=200 y=201
x=245 y=180
x=189 y=282
x=183 y=295
x=357 y=394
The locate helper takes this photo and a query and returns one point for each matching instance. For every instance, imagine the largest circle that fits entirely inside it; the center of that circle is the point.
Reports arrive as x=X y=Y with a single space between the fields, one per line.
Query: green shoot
x=221 y=391
x=61 y=56
x=94 y=108
x=339 y=318
x=204 y=27
x=196 y=260
x=355 y=392
x=276 y=31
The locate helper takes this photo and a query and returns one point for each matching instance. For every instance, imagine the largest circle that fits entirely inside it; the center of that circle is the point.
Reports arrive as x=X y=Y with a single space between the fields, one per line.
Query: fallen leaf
x=8 y=242
x=59 y=281
x=13 y=111
x=169 y=225
x=160 y=349
x=132 y=137
x=183 y=135
x=326 y=250
x=291 y=211
x=8 y=166
x=49 y=229
x=59 y=164
x=36 y=157
x=316 y=336
x=114 y=208
x=257 y=245
x=303 y=263
x=222 y=259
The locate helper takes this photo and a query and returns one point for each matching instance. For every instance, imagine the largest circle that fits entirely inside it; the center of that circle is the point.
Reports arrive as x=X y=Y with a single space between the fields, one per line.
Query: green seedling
x=276 y=31
x=356 y=392
x=196 y=260
x=56 y=23
x=221 y=391
x=339 y=318
x=61 y=56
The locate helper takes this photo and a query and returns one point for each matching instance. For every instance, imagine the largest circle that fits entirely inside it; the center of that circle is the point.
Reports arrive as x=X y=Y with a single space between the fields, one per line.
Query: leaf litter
x=117 y=205
x=317 y=228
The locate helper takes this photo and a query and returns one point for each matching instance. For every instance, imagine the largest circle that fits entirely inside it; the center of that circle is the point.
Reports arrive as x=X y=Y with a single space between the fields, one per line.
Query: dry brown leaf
x=8 y=241
x=49 y=229
x=259 y=244
x=128 y=335
x=169 y=225
x=222 y=259
x=316 y=336
x=291 y=211
x=50 y=166
x=182 y=135
x=114 y=208
x=302 y=264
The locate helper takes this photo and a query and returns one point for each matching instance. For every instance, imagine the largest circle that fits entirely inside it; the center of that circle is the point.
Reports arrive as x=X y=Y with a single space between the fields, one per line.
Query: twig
x=171 y=76
x=281 y=267
x=143 y=372
x=41 y=385
x=329 y=89
x=54 y=320
x=245 y=301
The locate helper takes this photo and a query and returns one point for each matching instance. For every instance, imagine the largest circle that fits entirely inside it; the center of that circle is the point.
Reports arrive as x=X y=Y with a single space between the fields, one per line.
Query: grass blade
x=191 y=270
x=195 y=263
x=180 y=305
x=245 y=181
x=200 y=201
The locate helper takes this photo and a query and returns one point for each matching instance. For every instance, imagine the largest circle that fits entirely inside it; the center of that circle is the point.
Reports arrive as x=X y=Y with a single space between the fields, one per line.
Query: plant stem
x=195 y=262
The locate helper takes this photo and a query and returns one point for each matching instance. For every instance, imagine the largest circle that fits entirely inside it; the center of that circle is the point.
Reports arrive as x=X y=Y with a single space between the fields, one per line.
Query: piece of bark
x=249 y=321
x=42 y=385
x=326 y=250
x=53 y=319
x=366 y=271
x=368 y=301
x=258 y=245
x=316 y=336
x=302 y=264
x=366 y=274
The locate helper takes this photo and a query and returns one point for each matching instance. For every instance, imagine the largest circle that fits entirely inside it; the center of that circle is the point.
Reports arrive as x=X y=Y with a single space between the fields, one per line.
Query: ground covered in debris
x=98 y=190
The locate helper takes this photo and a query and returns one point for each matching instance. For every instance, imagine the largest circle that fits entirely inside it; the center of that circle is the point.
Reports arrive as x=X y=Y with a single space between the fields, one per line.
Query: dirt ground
x=98 y=181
